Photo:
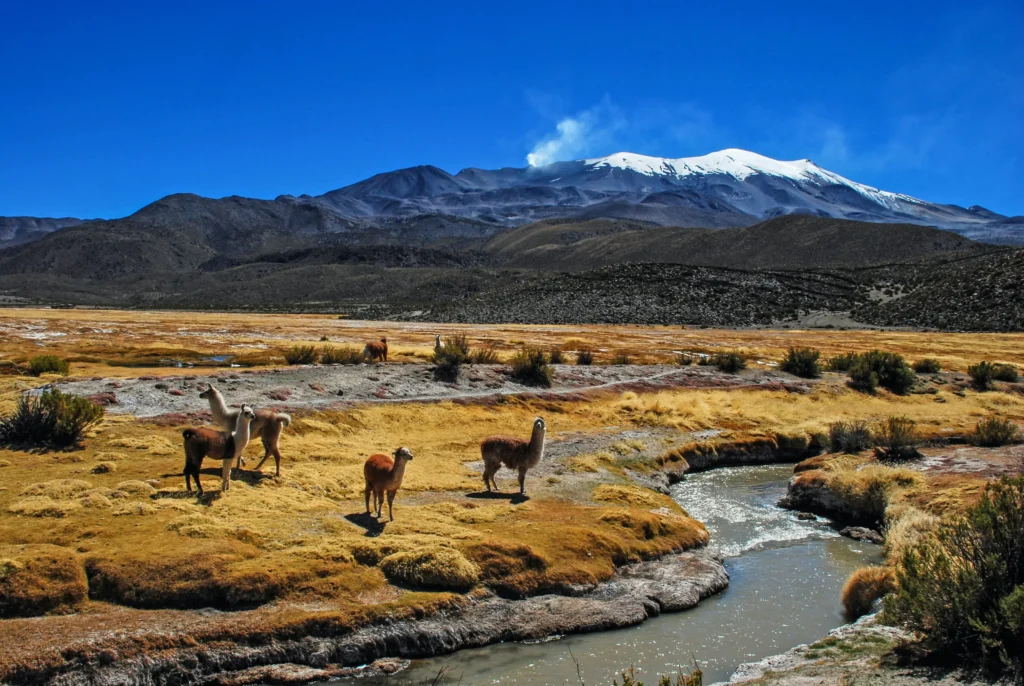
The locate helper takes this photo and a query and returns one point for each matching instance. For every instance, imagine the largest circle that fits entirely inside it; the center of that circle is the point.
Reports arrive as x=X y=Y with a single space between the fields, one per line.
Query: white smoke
x=578 y=135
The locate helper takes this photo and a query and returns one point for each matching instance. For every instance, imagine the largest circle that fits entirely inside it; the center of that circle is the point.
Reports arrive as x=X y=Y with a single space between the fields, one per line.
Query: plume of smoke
x=577 y=135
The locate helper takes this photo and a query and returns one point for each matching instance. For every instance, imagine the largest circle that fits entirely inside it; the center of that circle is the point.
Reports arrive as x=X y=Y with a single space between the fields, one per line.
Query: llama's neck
x=398 y=471
x=537 y=442
x=241 y=433
x=218 y=408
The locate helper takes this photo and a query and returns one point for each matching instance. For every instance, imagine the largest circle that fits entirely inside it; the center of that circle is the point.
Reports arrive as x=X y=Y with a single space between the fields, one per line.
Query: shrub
x=962 y=589
x=437 y=568
x=621 y=359
x=864 y=587
x=877 y=368
x=896 y=439
x=927 y=365
x=48 y=364
x=556 y=356
x=301 y=354
x=982 y=375
x=849 y=437
x=530 y=366
x=584 y=356
x=730 y=362
x=1005 y=372
x=684 y=359
x=692 y=678
x=51 y=419
x=993 y=431
x=842 y=363
x=331 y=354
x=448 y=360
x=484 y=355
x=802 y=362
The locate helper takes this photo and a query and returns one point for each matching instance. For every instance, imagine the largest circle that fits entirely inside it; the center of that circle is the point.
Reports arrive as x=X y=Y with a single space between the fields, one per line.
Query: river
x=785 y=578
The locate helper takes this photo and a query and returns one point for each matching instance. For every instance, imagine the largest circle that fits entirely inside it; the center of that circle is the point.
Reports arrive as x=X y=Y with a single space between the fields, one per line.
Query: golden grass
x=864 y=587
x=438 y=567
x=39 y=579
x=94 y=340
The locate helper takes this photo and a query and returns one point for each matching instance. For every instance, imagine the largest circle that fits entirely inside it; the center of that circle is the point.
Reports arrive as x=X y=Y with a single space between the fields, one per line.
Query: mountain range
x=424 y=204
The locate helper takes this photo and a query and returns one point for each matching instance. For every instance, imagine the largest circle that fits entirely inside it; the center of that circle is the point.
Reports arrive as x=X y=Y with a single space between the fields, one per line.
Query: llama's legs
x=277 y=461
x=378 y=500
x=522 y=481
x=391 y=499
x=369 y=490
x=225 y=474
x=489 y=471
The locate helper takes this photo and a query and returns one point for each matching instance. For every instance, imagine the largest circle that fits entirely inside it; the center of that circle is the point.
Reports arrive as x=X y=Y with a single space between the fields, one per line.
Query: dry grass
x=431 y=568
x=864 y=587
x=40 y=579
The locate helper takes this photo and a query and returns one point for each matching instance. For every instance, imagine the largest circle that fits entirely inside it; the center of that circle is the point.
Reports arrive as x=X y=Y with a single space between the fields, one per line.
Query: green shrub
x=51 y=419
x=993 y=431
x=530 y=366
x=556 y=356
x=449 y=359
x=962 y=590
x=927 y=365
x=802 y=362
x=842 y=363
x=730 y=362
x=982 y=375
x=330 y=354
x=584 y=356
x=484 y=355
x=301 y=354
x=896 y=439
x=621 y=359
x=877 y=368
x=48 y=364
x=849 y=437
x=1005 y=372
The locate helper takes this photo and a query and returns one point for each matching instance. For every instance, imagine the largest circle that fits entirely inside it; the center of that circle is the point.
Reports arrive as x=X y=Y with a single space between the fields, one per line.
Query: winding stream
x=785 y=578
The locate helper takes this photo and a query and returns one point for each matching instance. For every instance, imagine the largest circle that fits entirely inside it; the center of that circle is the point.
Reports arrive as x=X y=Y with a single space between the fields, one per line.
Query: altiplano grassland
x=106 y=550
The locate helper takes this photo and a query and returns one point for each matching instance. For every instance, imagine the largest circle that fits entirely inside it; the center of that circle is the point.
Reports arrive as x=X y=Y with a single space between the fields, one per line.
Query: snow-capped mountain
x=726 y=188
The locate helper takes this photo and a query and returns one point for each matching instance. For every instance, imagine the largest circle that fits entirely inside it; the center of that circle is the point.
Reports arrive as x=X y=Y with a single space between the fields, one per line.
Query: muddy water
x=785 y=577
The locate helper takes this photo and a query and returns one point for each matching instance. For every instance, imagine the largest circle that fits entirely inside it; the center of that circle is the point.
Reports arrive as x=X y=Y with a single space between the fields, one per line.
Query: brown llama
x=514 y=453
x=375 y=350
x=217 y=445
x=267 y=425
x=382 y=475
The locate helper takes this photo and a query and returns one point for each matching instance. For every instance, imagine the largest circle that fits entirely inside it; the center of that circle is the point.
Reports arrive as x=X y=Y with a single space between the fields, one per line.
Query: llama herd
x=383 y=474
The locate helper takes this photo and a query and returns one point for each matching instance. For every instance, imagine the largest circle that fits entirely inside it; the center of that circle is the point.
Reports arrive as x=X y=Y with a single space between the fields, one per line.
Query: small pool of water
x=785 y=577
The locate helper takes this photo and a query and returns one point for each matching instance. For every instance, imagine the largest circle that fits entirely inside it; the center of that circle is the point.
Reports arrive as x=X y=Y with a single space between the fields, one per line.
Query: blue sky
x=106 y=106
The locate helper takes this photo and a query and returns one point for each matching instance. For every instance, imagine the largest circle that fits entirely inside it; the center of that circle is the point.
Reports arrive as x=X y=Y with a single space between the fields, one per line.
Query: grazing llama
x=377 y=350
x=225 y=446
x=384 y=474
x=514 y=453
x=267 y=425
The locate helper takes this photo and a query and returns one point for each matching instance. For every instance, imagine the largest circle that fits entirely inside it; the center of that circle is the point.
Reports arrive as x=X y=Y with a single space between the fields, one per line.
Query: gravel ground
x=323 y=386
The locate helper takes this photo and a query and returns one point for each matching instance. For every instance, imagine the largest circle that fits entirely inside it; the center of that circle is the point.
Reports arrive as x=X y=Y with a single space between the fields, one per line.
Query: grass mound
x=434 y=568
x=40 y=579
x=512 y=570
x=927 y=365
x=627 y=495
x=864 y=587
x=51 y=419
x=48 y=364
x=43 y=506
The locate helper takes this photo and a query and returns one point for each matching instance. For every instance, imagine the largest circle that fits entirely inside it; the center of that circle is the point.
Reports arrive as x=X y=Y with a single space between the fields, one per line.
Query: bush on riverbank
x=963 y=589
x=301 y=354
x=877 y=368
x=531 y=367
x=802 y=362
x=52 y=419
x=48 y=364
x=993 y=431
x=331 y=354
x=896 y=439
x=849 y=437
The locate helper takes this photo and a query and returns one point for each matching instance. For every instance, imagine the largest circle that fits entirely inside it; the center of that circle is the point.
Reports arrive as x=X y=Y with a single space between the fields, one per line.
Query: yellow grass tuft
x=905 y=526
x=104 y=468
x=44 y=506
x=58 y=489
x=40 y=579
x=136 y=487
x=864 y=587
x=634 y=496
x=439 y=567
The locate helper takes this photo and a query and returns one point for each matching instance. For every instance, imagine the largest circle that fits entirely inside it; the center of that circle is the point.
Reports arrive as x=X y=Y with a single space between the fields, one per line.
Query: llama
x=217 y=445
x=437 y=344
x=267 y=425
x=514 y=453
x=377 y=350
x=384 y=474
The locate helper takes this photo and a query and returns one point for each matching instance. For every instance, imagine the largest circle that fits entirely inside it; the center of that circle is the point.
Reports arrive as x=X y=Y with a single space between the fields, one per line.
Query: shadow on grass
x=512 y=497
x=367 y=522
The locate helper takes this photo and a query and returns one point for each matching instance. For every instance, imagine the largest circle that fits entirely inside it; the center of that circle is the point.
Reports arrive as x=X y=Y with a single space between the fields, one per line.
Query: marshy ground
x=107 y=545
